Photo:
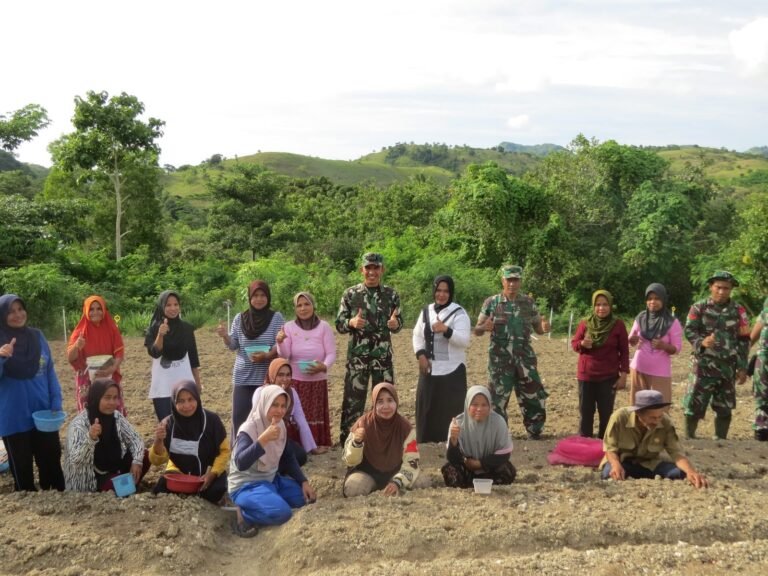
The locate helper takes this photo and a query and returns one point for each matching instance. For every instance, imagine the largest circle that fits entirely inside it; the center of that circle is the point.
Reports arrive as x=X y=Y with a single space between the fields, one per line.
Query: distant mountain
x=535 y=149
x=759 y=151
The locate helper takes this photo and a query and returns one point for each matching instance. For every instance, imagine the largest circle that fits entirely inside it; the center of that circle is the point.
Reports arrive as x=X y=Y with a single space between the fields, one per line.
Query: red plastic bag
x=577 y=451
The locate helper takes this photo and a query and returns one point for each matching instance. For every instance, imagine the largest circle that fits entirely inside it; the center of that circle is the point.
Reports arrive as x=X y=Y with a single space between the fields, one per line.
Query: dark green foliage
x=22 y=126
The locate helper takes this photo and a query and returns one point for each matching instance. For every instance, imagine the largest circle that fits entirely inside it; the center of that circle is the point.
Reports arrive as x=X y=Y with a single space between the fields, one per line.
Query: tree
x=110 y=141
x=22 y=126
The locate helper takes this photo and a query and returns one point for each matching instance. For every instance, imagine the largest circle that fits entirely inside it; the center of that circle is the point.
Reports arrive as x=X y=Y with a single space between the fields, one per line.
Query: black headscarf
x=449 y=281
x=254 y=322
x=176 y=341
x=655 y=324
x=203 y=427
x=107 y=455
x=25 y=362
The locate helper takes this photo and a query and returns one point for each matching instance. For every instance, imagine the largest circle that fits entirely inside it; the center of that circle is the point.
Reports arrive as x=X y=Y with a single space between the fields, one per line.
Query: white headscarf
x=258 y=421
x=480 y=439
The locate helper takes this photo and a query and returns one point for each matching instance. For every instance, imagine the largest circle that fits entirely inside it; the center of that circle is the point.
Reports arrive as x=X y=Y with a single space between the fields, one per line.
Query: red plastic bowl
x=183 y=483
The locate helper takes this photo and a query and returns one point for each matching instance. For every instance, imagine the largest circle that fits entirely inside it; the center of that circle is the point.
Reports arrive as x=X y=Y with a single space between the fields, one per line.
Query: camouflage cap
x=723 y=275
x=373 y=259
x=509 y=271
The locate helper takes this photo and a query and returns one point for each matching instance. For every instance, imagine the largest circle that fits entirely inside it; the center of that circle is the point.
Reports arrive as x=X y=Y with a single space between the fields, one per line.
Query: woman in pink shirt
x=309 y=345
x=657 y=335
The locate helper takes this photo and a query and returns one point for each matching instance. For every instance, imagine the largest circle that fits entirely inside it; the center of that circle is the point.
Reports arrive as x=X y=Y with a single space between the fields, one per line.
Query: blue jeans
x=269 y=503
x=634 y=470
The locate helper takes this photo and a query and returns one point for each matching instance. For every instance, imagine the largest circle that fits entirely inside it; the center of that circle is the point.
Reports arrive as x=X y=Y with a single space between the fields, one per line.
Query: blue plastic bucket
x=124 y=485
x=48 y=421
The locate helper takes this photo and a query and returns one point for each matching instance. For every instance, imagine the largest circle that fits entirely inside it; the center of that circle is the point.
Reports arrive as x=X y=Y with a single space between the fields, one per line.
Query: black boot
x=691 y=422
x=721 y=427
x=761 y=435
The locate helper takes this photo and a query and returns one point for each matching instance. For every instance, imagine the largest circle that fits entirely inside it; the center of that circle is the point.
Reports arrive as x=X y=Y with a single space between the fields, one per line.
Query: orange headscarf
x=101 y=338
x=274 y=368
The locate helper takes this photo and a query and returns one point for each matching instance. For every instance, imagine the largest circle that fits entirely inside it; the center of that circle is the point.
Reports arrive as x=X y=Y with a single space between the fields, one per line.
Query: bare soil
x=553 y=520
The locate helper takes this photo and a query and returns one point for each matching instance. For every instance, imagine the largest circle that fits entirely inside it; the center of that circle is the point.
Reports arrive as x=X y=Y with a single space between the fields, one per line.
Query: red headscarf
x=101 y=338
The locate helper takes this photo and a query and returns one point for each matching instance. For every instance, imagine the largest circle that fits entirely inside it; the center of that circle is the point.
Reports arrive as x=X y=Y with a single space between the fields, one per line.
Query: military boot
x=721 y=427
x=761 y=435
x=691 y=422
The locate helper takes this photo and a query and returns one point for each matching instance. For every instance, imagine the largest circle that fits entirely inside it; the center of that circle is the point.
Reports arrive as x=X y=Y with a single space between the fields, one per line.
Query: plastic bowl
x=482 y=485
x=124 y=485
x=4 y=466
x=256 y=349
x=305 y=365
x=98 y=361
x=183 y=483
x=48 y=420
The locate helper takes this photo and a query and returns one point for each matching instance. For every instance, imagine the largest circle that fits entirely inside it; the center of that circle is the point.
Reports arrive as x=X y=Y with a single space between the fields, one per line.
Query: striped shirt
x=245 y=372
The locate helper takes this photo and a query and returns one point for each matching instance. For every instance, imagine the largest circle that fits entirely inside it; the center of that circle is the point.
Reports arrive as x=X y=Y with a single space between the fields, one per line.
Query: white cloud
x=519 y=121
x=749 y=45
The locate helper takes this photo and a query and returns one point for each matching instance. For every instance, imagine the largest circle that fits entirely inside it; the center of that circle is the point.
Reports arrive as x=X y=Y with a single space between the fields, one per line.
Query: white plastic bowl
x=482 y=485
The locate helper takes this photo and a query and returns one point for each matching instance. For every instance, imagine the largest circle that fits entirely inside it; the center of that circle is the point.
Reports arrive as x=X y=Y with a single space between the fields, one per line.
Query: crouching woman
x=381 y=450
x=479 y=445
x=265 y=480
x=101 y=443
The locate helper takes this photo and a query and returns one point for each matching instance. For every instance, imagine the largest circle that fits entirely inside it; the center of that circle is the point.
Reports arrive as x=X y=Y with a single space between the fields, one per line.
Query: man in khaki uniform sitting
x=636 y=436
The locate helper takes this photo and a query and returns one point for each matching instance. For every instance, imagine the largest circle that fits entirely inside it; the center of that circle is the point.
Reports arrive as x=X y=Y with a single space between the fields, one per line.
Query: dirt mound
x=552 y=520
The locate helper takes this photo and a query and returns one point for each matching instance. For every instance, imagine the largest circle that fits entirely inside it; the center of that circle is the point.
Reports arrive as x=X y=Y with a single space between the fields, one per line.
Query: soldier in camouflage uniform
x=369 y=312
x=760 y=375
x=509 y=317
x=718 y=330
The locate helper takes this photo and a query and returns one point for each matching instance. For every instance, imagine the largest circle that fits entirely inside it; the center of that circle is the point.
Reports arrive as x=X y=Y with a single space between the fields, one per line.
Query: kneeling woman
x=101 y=444
x=265 y=480
x=479 y=445
x=192 y=440
x=381 y=449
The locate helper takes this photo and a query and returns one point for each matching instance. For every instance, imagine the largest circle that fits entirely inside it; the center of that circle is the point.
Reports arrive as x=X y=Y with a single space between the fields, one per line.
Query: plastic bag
x=577 y=451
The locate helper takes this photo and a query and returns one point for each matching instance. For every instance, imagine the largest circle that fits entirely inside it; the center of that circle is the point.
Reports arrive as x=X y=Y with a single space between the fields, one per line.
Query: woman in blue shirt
x=28 y=383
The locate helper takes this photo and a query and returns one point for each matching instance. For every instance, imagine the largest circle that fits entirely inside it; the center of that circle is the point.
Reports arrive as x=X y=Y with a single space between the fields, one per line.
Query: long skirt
x=314 y=401
x=438 y=400
x=639 y=381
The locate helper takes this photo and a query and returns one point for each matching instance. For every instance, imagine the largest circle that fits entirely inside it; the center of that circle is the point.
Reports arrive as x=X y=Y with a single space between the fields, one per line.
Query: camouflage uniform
x=760 y=379
x=713 y=370
x=512 y=361
x=369 y=353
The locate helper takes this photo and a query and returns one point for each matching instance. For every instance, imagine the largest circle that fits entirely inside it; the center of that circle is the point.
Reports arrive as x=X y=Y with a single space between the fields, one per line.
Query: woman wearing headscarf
x=256 y=326
x=265 y=481
x=601 y=341
x=381 y=452
x=28 y=383
x=309 y=344
x=193 y=441
x=440 y=341
x=296 y=425
x=96 y=334
x=479 y=444
x=102 y=444
x=171 y=343
x=657 y=335
x=760 y=375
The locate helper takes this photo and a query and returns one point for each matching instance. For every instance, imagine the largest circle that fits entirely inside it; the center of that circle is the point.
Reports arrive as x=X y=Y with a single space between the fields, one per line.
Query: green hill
x=536 y=149
x=741 y=171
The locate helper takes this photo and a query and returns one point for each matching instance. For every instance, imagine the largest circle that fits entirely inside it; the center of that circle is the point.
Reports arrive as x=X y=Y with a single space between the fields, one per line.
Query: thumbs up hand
x=454 y=432
x=80 y=342
x=164 y=329
x=358 y=322
x=271 y=434
x=281 y=336
x=392 y=323
x=95 y=430
x=6 y=350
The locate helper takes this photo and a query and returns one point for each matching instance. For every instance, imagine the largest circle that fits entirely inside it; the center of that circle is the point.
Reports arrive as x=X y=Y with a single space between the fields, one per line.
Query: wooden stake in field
x=551 y=312
x=64 y=321
x=228 y=304
x=570 y=326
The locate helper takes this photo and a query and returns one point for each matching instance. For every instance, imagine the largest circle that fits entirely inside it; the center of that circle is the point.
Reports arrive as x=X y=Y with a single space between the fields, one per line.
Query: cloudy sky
x=340 y=79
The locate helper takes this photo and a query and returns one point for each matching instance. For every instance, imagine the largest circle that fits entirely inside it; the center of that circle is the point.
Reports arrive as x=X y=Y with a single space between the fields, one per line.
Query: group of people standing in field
x=280 y=407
